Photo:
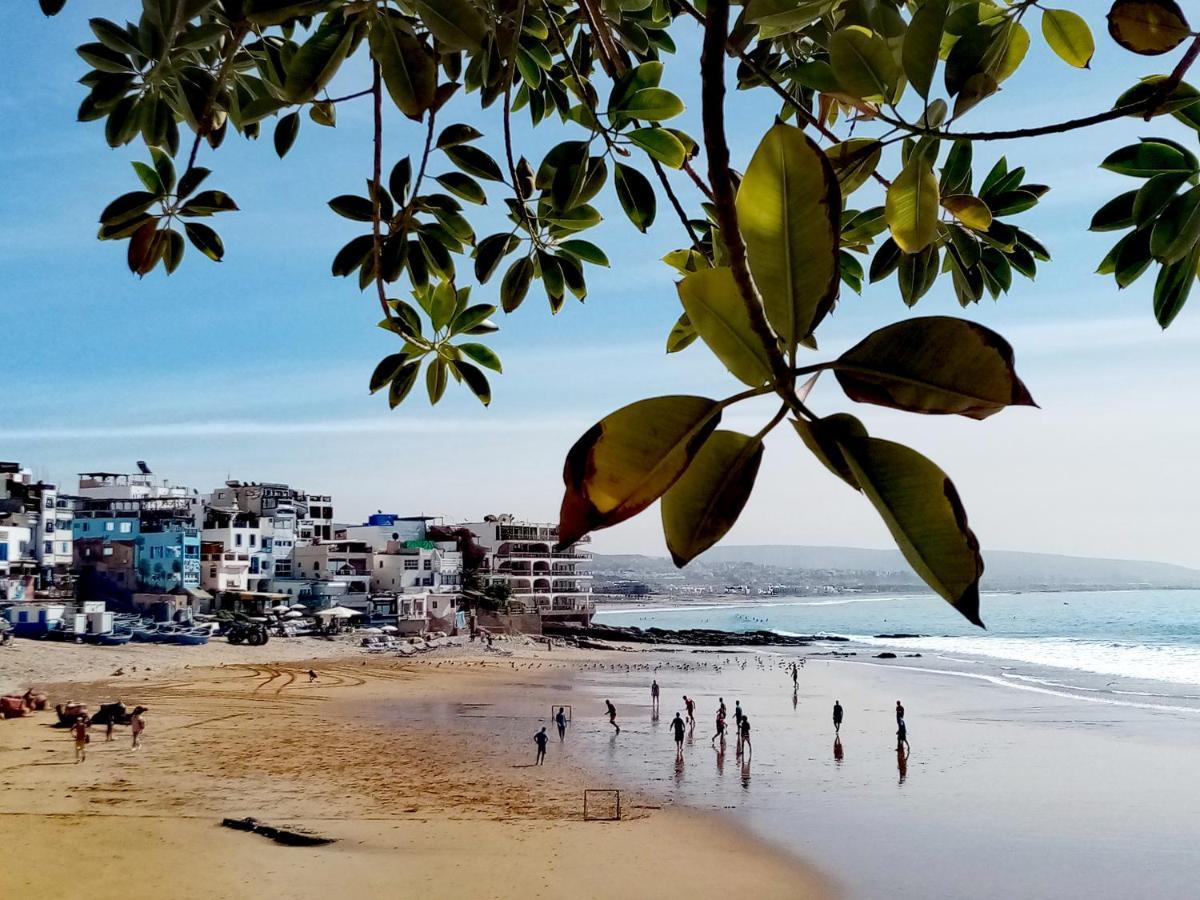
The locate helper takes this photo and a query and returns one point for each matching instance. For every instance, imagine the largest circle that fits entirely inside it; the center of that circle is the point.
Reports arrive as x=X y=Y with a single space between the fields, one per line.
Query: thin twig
x=204 y=123
x=354 y=96
x=678 y=207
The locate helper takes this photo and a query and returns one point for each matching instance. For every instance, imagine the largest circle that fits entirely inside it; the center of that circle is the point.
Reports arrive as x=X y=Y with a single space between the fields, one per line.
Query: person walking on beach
x=79 y=731
x=312 y=676
x=612 y=715
x=691 y=710
x=720 y=732
x=560 y=719
x=678 y=726
x=136 y=726
x=540 y=739
x=654 y=695
x=737 y=717
x=837 y=716
x=795 y=677
x=721 y=708
x=744 y=737
x=899 y=713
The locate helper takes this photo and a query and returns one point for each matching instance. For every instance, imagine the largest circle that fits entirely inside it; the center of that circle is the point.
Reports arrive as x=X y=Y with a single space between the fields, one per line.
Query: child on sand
x=136 y=726
x=79 y=731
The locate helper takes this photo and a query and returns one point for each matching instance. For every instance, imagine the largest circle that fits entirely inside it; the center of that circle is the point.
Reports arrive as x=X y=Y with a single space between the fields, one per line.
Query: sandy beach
x=421 y=770
x=429 y=806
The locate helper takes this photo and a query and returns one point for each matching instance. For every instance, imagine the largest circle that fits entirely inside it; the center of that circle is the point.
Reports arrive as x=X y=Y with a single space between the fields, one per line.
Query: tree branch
x=377 y=175
x=712 y=90
x=353 y=96
x=204 y=124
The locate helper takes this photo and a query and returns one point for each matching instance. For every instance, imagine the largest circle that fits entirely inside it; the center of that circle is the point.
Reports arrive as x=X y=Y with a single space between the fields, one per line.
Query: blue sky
x=257 y=368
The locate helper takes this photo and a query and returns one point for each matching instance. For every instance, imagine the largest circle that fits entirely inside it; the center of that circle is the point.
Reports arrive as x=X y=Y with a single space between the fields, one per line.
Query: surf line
x=1008 y=683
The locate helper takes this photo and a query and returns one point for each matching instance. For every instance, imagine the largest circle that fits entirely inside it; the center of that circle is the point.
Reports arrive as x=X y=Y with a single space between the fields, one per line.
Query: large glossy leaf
x=1068 y=35
x=821 y=436
x=863 y=64
x=922 y=510
x=700 y=508
x=1178 y=228
x=636 y=195
x=717 y=312
x=457 y=24
x=789 y=210
x=1150 y=157
x=408 y=69
x=318 y=59
x=922 y=44
x=934 y=364
x=912 y=206
x=853 y=161
x=629 y=459
x=1175 y=282
x=1149 y=27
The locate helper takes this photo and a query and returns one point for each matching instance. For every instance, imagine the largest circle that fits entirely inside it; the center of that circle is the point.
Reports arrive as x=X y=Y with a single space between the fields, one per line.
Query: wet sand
x=439 y=810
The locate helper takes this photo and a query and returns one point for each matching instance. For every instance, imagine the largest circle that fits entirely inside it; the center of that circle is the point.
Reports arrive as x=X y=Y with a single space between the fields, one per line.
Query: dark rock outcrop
x=699 y=637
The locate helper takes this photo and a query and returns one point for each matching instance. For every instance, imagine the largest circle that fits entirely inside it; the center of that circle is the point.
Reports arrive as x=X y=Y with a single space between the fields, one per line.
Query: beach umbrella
x=389 y=629
x=293 y=615
x=281 y=608
x=299 y=606
x=372 y=631
x=338 y=612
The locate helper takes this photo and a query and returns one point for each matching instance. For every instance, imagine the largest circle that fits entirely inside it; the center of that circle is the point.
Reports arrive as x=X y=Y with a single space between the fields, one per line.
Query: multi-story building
x=522 y=555
x=37 y=506
x=275 y=505
x=382 y=529
x=314 y=518
x=234 y=556
x=348 y=561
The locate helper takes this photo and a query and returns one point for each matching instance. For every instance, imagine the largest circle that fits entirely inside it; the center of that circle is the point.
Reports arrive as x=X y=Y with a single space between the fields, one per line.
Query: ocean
x=1141 y=645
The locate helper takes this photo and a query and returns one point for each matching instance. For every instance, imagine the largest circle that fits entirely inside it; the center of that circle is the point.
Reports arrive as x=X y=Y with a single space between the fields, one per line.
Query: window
x=48 y=547
x=108 y=551
x=253 y=539
x=212 y=571
x=381 y=564
x=49 y=525
x=410 y=564
x=108 y=526
x=126 y=527
x=237 y=540
x=428 y=564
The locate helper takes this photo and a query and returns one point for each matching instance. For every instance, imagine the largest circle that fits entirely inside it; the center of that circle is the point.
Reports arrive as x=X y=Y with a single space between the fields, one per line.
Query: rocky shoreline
x=692 y=637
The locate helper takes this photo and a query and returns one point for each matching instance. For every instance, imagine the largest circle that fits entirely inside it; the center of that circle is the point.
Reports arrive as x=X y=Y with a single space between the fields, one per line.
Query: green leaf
x=863 y=64
x=1178 y=228
x=887 y=258
x=515 y=284
x=916 y=274
x=286 y=130
x=1148 y=158
x=353 y=254
x=854 y=161
x=821 y=436
x=399 y=179
x=935 y=364
x=408 y=68
x=482 y=354
x=921 y=508
x=1132 y=257
x=463 y=186
x=435 y=380
x=318 y=59
x=1174 y=283
x=148 y=177
x=444 y=301
x=126 y=207
x=971 y=211
x=629 y=459
x=652 y=104
x=636 y=196
x=1116 y=214
x=1181 y=100
x=475 y=380
x=789 y=209
x=660 y=144
x=457 y=24
x=104 y=59
x=357 y=209
x=474 y=320
x=453 y=135
x=475 y=162
x=922 y=44
x=645 y=75
x=1148 y=27
x=113 y=36
x=585 y=250
x=387 y=369
x=1155 y=194
x=403 y=383
x=206 y=203
x=715 y=309
x=683 y=334
x=700 y=508
x=205 y=240
x=1068 y=35
x=912 y=207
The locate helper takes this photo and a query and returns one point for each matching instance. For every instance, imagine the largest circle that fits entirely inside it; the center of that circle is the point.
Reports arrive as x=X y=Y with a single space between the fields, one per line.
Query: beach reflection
x=902 y=763
x=721 y=759
x=837 y=750
x=679 y=767
x=746 y=773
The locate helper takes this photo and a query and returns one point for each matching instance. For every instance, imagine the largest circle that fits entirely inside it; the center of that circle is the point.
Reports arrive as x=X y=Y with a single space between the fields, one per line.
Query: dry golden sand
x=431 y=811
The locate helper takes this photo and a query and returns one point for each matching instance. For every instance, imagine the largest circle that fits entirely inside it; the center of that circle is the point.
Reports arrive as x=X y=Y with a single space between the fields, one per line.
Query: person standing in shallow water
x=837 y=716
x=744 y=747
x=679 y=728
x=691 y=710
x=795 y=677
x=654 y=695
x=902 y=738
x=560 y=719
x=540 y=739
x=612 y=716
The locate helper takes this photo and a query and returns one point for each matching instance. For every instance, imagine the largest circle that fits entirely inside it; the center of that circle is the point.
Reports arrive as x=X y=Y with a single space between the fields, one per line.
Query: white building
x=334 y=561
x=400 y=569
x=275 y=505
x=314 y=518
x=16 y=557
x=232 y=556
x=521 y=554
